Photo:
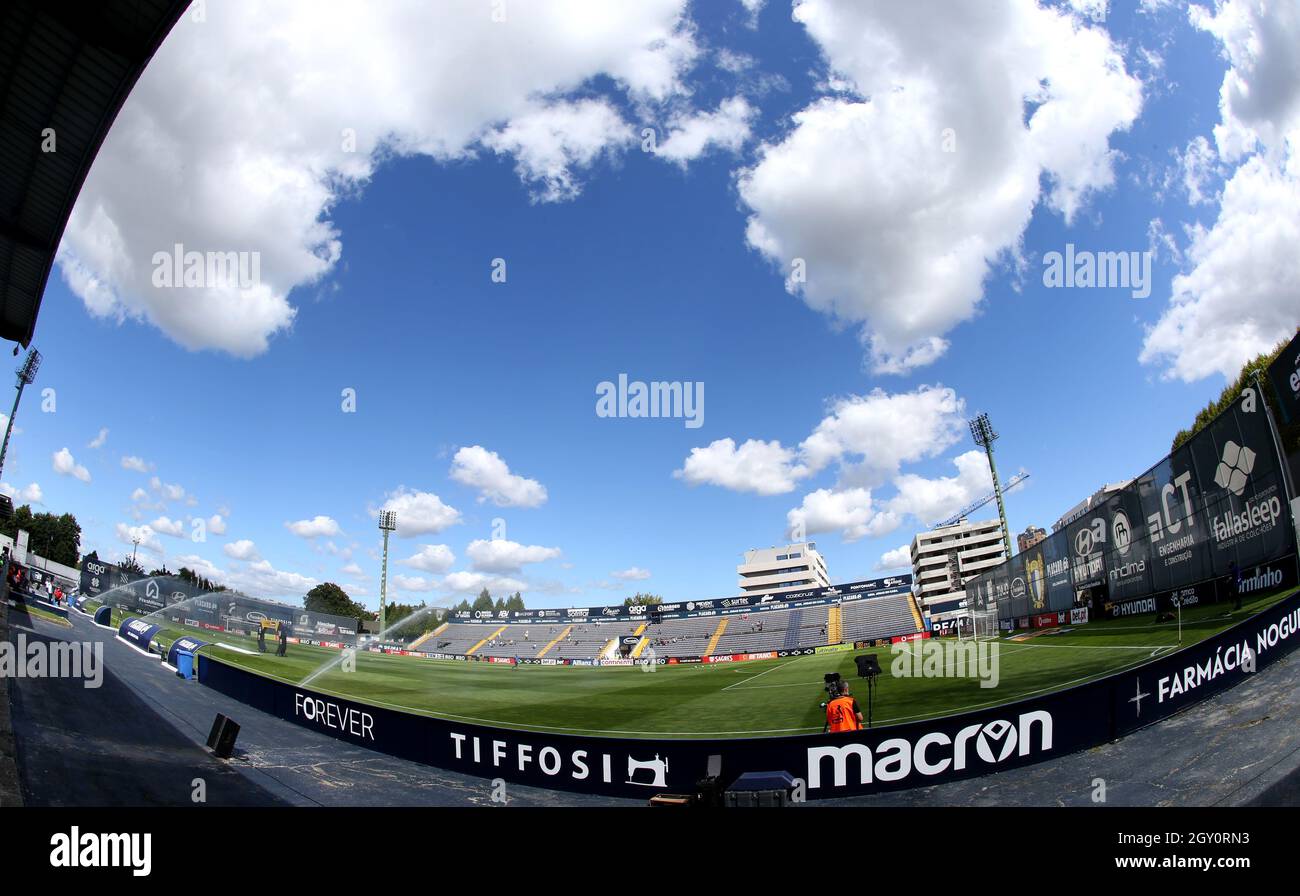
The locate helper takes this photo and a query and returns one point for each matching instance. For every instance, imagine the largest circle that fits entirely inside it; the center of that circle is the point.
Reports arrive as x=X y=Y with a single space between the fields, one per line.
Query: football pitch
x=750 y=699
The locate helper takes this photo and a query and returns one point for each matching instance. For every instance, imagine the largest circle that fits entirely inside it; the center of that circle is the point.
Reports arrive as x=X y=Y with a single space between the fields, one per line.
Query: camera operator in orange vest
x=842 y=711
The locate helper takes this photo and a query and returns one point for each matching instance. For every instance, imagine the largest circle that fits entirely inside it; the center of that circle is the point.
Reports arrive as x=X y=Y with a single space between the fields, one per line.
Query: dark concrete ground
x=10 y=792
x=139 y=741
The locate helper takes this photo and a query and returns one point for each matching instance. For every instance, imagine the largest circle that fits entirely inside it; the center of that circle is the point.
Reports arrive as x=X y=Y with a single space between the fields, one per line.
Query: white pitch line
x=233 y=647
x=764 y=672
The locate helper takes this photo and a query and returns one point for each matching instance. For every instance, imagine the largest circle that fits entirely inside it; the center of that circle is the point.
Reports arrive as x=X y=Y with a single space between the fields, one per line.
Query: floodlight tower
x=981 y=430
x=26 y=375
x=387 y=523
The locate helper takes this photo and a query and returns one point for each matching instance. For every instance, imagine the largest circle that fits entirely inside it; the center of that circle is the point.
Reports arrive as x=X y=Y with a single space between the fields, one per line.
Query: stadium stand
x=774 y=630
x=758 y=631
x=589 y=640
x=457 y=638
x=878 y=617
x=517 y=640
x=681 y=637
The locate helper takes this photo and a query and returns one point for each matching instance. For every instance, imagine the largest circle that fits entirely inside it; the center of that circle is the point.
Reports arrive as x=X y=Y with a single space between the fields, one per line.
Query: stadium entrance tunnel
x=890 y=758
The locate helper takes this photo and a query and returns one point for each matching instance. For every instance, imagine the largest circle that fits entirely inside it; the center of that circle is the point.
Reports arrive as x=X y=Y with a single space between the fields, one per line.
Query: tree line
x=1290 y=433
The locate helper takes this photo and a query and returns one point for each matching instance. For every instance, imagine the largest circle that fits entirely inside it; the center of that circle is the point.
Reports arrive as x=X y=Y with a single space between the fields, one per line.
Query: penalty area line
x=764 y=672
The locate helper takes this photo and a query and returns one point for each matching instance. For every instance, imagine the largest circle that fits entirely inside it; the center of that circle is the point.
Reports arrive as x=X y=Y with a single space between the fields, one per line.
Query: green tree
x=483 y=603
x=414 y=628
x=131 y=565
x=185 y=574
x=330 y=598
x=1259 y=364
x=516 y=603
x=56 y=538
x=640 y=598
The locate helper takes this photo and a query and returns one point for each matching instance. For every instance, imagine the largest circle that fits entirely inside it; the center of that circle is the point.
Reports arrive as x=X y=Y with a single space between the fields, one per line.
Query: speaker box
x=868 y=665
x=222 y=737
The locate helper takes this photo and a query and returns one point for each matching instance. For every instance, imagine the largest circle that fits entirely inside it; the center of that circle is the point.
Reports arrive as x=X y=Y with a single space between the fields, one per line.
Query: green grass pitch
x=761 y=698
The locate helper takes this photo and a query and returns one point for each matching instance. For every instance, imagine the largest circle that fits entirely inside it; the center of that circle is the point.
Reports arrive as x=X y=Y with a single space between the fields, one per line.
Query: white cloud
x=314 y=527
x=872 y=435
x=855 y=514
x=202 y=566
x=932 y=500
x=435 y=558
x=1259 y=99
x=1091 y=9
x=170 y=491
x=474 y=582
x=65 y=465
x=240 y=120
x=257 y=577
x=138 y=464
x=765 y=468
x=168 y=526
x=243 y=549
x=484 y=470
x=264 y=580
x=899 y=558
x=31 y=493
x=414 y=583
x=499 y=555
x=148 y=541
x=99 y=440
x=549 y=142
x=139 y=495
x=352 y=569
x=1239 y=297
x=897 y=235
x=632 y=574
x=419 y=513
x=1199 y=165
x=849 y=511
x=864 y=434
x=217 y=524
x=692 y=135
x=753 y=8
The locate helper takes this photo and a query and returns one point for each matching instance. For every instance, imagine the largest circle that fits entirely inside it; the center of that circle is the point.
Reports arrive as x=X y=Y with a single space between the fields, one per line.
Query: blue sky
x=670 y=266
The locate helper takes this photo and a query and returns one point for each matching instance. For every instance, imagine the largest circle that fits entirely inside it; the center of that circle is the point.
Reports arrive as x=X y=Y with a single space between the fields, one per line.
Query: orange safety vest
x=841 y=716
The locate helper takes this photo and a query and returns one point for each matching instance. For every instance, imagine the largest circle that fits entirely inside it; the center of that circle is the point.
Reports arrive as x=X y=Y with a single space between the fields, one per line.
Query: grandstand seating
x=522 y=640
x=774 y=630
x=588 y=640
x=755 y=632
x=878 y=617
x=681 y=637
x=458 y=638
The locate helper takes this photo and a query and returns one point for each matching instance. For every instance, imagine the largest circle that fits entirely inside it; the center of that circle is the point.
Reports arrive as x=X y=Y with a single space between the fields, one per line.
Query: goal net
x=982 y=625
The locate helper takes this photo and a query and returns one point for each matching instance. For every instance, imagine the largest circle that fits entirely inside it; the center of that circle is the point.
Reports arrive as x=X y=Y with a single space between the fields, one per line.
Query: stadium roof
x=66 y=65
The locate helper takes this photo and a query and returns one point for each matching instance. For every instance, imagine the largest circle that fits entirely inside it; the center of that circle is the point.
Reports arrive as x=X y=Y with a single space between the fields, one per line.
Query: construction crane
x=971 y=508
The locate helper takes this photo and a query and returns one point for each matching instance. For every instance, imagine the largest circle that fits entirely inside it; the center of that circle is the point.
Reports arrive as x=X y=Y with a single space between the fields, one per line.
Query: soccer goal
x=981 y=625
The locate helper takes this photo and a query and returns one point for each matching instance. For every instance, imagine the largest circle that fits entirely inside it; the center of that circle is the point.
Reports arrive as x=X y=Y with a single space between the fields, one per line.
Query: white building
x=1095 y=499
x=794 y=567
x=944 y=559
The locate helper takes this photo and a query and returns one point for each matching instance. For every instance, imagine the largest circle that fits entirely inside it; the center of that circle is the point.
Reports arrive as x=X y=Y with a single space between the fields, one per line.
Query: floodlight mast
x=981 y=430
x=26 y=376
x=387 y=523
